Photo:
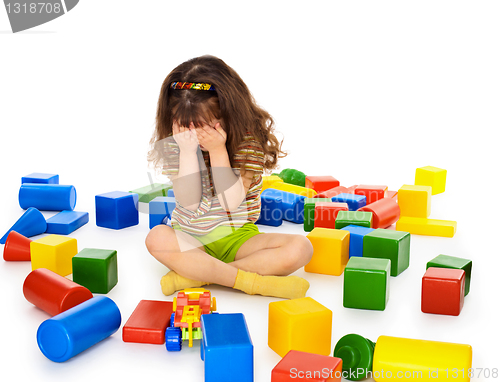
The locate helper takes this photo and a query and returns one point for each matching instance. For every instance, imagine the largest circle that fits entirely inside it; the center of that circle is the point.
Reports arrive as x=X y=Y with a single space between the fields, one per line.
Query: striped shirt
x=210 y=213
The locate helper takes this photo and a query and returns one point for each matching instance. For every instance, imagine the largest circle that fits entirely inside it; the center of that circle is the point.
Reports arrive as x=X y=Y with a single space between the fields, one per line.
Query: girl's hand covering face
x=212 y=138
x=185 y=137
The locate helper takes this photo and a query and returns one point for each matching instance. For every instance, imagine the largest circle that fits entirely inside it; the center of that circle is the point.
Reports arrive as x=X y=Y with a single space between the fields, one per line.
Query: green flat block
x=96 y=269
x=366 y=283
x=151 y=191
x=444 y=261
x=389 y=244
x=309 y=204
x=360 y=218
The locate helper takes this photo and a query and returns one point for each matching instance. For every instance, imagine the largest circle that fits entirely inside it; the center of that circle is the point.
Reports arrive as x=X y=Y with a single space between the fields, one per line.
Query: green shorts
x=223 y=243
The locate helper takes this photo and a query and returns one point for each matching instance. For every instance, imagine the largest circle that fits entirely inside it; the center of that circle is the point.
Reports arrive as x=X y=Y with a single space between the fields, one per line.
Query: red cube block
x=148 y=322
x=302 y=366
x=443 y=291
x=321 y=183
x=372 y=193
x=325 y=213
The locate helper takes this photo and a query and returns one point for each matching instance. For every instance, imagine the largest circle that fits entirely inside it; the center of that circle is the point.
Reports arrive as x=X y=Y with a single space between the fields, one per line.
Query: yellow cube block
x=431 y=176
x=301 y=324
x=415 y=201
x=428 y=227
x=269 y=180
x=307 y=192
x=54 y=252
x=331 y=251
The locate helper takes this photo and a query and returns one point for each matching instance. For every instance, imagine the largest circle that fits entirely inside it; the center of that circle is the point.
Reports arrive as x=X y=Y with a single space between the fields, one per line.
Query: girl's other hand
x=185 y=137
x=212 y=138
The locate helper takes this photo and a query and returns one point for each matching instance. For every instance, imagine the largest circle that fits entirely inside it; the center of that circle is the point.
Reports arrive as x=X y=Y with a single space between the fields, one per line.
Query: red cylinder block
x=17 y=247
x=385 y=212
x=53 y=293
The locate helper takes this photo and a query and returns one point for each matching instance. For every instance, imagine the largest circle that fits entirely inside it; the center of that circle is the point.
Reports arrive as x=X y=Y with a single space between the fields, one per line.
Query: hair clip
x=191 y=86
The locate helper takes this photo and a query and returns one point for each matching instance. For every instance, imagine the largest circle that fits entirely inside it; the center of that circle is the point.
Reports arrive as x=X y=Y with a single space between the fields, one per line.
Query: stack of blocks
x=415 y=204
x=300 y=324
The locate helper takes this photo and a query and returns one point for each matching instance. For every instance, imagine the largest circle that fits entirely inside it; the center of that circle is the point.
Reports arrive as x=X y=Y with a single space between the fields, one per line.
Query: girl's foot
x=274 y=286
x=172 y=282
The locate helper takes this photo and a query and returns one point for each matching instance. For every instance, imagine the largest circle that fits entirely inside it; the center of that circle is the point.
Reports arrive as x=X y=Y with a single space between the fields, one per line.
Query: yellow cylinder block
x=420 y=360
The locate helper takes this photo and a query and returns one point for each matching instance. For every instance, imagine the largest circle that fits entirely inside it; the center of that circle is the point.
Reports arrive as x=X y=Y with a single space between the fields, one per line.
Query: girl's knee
x=159 y=239
x=299 y=252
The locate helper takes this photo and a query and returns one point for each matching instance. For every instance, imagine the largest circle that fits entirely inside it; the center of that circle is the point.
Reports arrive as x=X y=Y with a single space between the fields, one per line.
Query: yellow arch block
x=54 y=252
x=307 y=192
x=406 y=359
x=428 y=227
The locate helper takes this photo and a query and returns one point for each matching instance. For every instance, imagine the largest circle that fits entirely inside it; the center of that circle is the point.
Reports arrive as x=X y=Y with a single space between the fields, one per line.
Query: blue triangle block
x=66 y=222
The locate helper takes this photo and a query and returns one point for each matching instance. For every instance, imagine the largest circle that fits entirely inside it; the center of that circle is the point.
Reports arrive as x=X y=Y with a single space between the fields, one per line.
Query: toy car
x=188 y=307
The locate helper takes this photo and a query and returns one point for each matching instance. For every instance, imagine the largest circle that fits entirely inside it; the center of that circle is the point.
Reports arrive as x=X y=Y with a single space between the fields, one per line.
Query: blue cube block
x=117 y=209
x=357 y=234
x=292 y=205
x=354 y=202
x=270 y=210
x=159 y=208
x=66 y=222
x=226 y=348
x=38 y=177
x=170 y=192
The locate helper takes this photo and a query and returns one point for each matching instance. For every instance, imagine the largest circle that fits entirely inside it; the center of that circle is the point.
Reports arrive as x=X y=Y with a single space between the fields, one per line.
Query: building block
x=17 y=247
x=359 y=218
x=332 y=192
x=77 y=329
x=47 y=197
x=292 y=205
x=53 y=293
x=96 y=269
x=159 y=208
x=356 y=238
x=428 y=227
x=309 y=212
x=356 y=353
x=331 y=251
x=325 y=213
x=38 y=177
x=294 y=189
x=366 y=283
x=392 y=195
x=291 y=176
x=53 y=252
x=385 y=212
x=431 y=176
x=270 y=210
x=415 y=201
x=388 y=244
x=444 y=261
x=353 y=201
x=66 y=222
x=151 y=191
x=148 y=322
x=321 y=183
x=298 y=365
x=300 y=324
x=268 y=180
x=443 y=291
x=170 y=193
x=372 y=193
x=117 y=210
x=226 y=337
x=31 y=223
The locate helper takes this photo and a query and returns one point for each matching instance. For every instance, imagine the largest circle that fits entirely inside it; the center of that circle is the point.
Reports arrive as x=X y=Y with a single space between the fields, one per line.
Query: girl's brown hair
x=231 y=102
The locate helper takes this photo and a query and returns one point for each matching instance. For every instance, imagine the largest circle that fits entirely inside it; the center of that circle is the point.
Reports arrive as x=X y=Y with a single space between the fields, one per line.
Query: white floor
x=364 y=91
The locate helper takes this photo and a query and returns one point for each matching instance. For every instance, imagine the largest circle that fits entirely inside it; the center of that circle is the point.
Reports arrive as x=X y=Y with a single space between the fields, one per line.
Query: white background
x=365 y=91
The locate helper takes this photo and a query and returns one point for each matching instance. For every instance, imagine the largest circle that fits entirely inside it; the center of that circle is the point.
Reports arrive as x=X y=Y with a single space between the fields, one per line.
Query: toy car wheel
x=173 y=339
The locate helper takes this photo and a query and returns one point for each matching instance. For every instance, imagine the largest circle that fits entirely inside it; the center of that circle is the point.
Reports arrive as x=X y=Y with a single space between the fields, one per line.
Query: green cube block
x=360 y=218
x=444 y=261
x=366 y=283
x=149 y=192
x=389 y=244
x=309 y=204
x=96 y=269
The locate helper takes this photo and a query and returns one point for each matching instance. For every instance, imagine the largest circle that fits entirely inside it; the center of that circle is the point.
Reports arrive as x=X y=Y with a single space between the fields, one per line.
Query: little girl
x=214 y=143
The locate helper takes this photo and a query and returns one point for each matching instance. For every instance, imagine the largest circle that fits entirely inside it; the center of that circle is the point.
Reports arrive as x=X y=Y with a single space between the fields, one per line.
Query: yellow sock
x=172 y=282
x=274 y=286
